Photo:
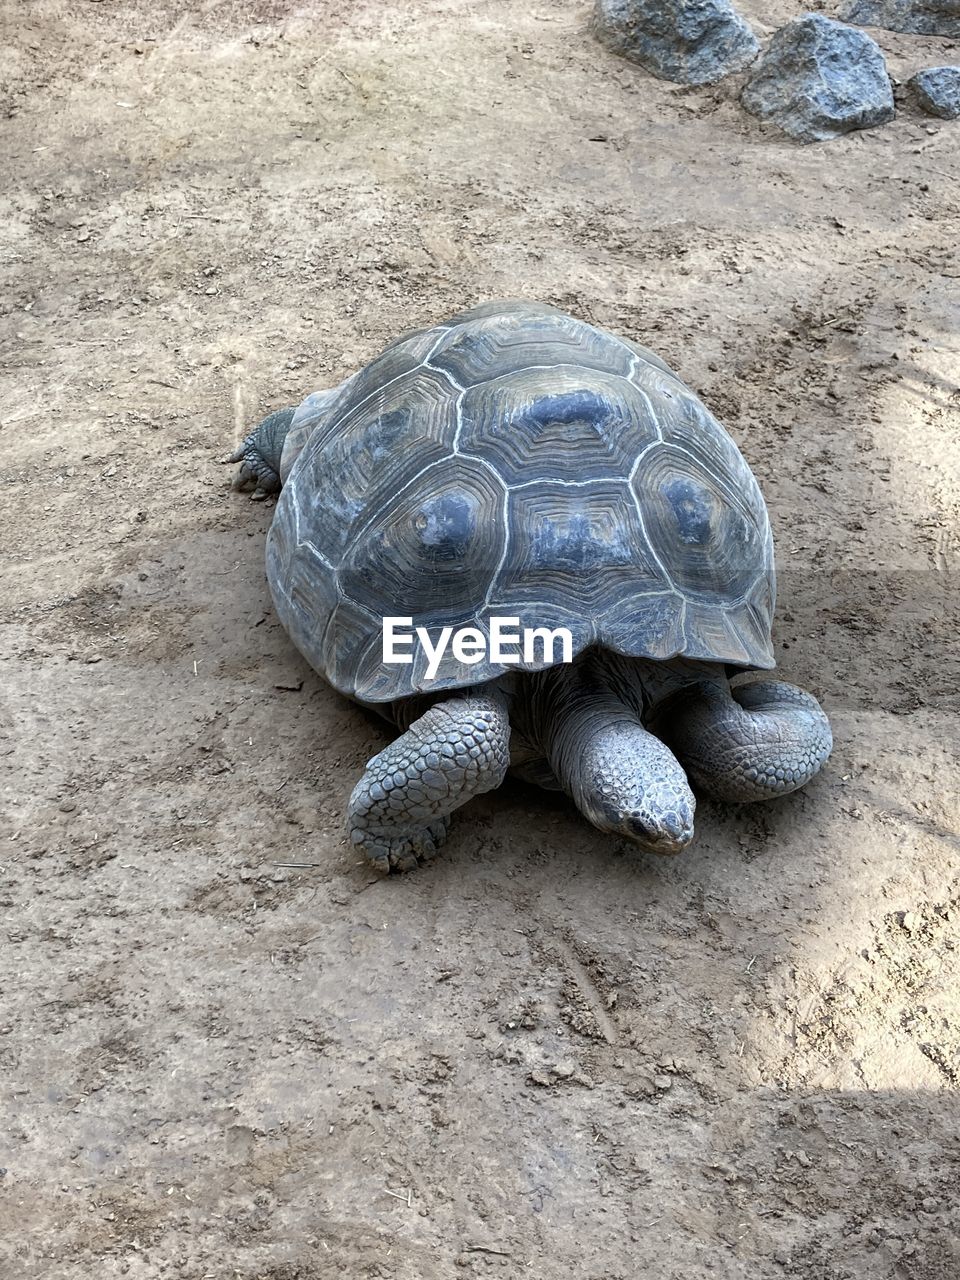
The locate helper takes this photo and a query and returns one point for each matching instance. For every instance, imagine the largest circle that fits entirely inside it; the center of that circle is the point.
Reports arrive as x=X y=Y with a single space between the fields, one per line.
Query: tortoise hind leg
x=259 y=455
x=399 y=809
x=750 y=743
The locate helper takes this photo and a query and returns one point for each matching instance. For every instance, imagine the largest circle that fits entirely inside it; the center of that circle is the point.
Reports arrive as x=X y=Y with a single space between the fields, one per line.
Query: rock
x=915 y=17
x=689 y=41
x=937 y=90
x=818 y=79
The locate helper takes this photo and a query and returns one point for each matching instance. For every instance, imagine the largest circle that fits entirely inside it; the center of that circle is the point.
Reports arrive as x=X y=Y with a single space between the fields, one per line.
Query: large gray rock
x=818 y=79
x=915 y=17
x=938 y=91
x=690 y=41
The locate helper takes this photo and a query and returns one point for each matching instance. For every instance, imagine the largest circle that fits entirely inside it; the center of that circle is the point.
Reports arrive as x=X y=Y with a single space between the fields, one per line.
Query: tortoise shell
x=516 y=462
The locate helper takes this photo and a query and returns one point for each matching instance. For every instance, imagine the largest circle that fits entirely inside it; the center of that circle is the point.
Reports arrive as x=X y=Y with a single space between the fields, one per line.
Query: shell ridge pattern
x=565 y=366
x=529 y=368
x=653 y=418
x=734 y=501
x=362 y=529
x=303 y=544
x=568 y=484
x=444 y=373
x=357 y=405
x=333 y=612
x=376 y=625
x=505 y=519
x=636 y=501
x=360 y=608
x=637 y=360
x=458 y=410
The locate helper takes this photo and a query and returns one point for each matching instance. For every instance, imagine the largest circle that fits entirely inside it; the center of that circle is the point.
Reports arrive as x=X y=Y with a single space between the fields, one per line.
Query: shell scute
x=530 y=427
x=435 y=546
x=501 y=343
x=577 y=549
x=365 y=453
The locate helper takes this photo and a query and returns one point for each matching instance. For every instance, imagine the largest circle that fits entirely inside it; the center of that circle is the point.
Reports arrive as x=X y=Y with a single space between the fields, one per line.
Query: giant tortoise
x=516 y=466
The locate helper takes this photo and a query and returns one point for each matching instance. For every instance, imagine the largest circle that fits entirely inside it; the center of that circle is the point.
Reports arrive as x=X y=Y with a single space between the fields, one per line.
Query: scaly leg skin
x=399 y=809
x=750 y=743
x=259 y=455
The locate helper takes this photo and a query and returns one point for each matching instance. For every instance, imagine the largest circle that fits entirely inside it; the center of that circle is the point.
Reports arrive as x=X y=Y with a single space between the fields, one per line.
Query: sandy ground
x=543 y=1055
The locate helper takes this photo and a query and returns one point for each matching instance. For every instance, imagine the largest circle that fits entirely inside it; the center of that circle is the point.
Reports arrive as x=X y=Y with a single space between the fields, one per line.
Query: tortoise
x=515 y=463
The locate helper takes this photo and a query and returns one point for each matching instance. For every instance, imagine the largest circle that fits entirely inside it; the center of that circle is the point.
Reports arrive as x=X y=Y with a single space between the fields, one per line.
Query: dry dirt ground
x=542 y=1055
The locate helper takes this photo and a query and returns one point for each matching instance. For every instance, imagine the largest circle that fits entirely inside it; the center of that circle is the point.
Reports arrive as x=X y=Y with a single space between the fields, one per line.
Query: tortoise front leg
x=399 y=809
x=750 y=743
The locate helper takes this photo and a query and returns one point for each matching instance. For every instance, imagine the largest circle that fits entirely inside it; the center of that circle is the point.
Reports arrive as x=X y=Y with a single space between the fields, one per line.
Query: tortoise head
x=626 y=781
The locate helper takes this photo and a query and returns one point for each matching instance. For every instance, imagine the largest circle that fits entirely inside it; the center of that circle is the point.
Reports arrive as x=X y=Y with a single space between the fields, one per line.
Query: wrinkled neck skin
x=623 y=687
x=589 y=720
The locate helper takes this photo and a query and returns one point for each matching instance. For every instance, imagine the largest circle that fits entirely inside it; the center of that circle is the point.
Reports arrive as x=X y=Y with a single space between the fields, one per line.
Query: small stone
x=915 y=17
x=818 y=79
x=67 y=806
x=910 y=921
x=564 y=1069
x=663 y=1083
x=930 y=1204
x=802 y=1159
x=687 y=41
x=937 y=90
